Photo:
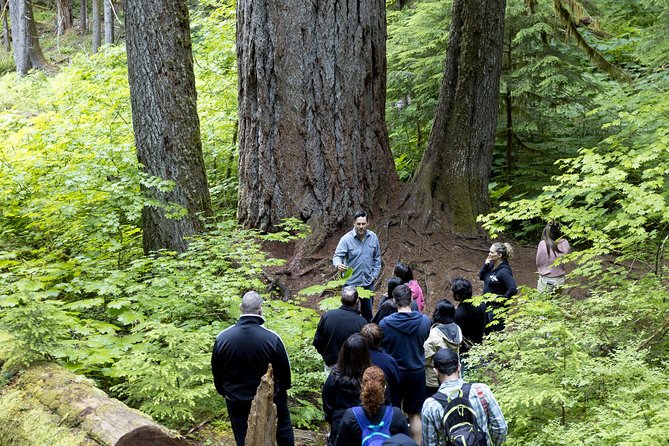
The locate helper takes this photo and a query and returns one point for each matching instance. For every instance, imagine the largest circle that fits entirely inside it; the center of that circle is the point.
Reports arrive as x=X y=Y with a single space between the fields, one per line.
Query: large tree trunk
x=109 y=21
x=5 y=25
x=63 y=16
x=27 y=51
x=312 y=137
x=48 y=399
x=96 y=23
x=165 y=120
x=453 y=176
x=83 y=16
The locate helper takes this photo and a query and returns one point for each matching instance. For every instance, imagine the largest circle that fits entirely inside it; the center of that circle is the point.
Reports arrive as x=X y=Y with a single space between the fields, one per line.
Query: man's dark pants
x=238 y=412
x=367 y=304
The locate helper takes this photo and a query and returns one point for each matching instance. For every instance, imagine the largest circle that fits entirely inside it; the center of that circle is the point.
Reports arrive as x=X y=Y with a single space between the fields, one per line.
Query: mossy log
x=48 y=402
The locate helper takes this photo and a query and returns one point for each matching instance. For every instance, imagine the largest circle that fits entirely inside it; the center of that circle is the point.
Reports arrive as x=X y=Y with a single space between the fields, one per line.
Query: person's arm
x=486 y=268
x=281 y=365
x=217 y=370
x=497 y=427
x=376 y=261
x=430 y=432
x=319 y=341
x=339 y=258
x=346 y=432
x=399 y=424
x=510 y=283
x=329 y=395
x=538 y=257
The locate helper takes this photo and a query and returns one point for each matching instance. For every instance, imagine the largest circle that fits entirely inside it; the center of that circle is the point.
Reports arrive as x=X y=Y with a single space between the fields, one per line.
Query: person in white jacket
x=445 y=333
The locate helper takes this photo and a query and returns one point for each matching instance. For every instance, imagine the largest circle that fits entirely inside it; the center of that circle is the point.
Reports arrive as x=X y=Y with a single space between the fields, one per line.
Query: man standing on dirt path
x=241 y=356
x=359 y=249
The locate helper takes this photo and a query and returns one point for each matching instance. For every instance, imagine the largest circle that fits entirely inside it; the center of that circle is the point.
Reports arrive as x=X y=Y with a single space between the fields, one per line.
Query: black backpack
x=459 y=420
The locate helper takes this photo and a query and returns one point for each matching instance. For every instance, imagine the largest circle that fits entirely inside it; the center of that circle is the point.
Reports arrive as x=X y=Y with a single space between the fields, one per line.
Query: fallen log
x=45 y=399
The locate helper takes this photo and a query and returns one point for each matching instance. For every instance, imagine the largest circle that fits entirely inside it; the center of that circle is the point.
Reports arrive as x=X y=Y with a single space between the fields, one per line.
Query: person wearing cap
x=488 y=413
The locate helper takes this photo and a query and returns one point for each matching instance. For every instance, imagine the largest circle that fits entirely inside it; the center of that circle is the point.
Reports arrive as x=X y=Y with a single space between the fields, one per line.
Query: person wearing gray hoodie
x=404 y=334
x=445 y=333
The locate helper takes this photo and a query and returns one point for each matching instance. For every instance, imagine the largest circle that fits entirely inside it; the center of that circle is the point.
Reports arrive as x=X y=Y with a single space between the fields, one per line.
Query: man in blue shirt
x=359 y=249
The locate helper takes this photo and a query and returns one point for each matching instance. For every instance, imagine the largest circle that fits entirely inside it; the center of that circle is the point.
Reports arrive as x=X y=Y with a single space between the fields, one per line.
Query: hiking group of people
x=395 y=377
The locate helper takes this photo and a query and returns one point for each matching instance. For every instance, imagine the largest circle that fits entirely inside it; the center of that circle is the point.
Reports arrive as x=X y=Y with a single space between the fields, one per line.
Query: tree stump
x=262 y=418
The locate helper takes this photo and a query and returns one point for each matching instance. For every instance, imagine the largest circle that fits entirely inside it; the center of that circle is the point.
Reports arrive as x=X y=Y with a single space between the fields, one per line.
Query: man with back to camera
x=337 y=325
x=404 y=334
x=359 y=249
x=241 y=356
x=489 y=416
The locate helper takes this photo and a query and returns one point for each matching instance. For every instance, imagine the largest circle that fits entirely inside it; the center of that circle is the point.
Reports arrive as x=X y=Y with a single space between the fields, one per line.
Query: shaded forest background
x=582 y=138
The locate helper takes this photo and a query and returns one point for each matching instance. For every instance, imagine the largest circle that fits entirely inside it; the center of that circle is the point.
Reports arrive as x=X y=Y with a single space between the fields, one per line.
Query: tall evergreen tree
x=5 y=25
x=63 y=17
x=165 y=120
x=96 y=24
x=27 y=51
x=453 y=176
x=109 y=21
x=312 y=137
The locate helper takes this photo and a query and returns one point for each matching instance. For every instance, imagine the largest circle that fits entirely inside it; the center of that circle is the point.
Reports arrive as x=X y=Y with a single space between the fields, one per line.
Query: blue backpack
x=373 y=434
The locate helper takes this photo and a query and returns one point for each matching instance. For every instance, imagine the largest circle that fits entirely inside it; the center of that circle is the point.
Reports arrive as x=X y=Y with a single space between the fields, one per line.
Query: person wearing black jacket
x=498 y=279
x=337 y=325
x=469 y=318
x=240 y=358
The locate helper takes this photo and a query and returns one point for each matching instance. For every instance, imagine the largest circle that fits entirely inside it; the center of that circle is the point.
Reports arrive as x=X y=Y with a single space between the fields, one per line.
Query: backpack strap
x=388 y=416
x=360 y=416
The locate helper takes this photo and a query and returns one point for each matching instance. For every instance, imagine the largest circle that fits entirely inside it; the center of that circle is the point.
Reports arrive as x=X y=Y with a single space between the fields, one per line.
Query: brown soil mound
x=435 y=258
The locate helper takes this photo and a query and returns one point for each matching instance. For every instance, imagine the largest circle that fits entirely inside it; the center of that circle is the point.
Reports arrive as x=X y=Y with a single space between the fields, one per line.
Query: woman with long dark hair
x=551 y=247
x=444 y=333
x=498 y=279
x=372 y=411
x=341 y=390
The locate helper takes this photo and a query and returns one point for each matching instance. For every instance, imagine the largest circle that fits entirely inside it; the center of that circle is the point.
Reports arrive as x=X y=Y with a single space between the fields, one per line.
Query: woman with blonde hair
x=372 y=412
x=498 y=279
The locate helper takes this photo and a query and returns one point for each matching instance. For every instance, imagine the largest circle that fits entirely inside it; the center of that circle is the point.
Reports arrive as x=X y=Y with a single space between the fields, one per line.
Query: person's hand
x=341 y=267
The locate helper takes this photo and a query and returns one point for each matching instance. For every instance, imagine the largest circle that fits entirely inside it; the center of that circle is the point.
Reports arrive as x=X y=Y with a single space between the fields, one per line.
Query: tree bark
x=262 y=417
x=97 y=25
x=5 y=25
x=453 y=175
x=83 y=16
x=165 y=120
x=65 y=399
x=27 y=51
x=109 y=21
x=63 y=16
x=313 y=143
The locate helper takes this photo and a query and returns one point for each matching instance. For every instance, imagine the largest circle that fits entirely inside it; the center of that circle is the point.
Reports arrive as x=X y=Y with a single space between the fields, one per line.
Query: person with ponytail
x=372 y=403
x=498 y=279
x=551 y=247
